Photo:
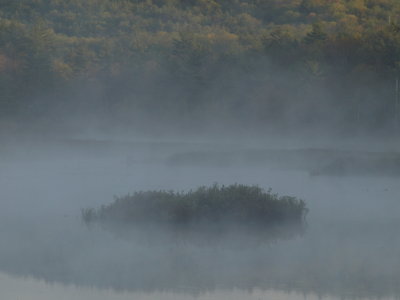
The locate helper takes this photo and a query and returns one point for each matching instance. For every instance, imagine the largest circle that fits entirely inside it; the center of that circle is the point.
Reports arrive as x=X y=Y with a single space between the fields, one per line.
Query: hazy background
x=199 y=67
x=101 y=98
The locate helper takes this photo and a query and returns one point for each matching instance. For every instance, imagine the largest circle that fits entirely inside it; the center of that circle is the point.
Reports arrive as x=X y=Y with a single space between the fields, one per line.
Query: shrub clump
x=214 y=207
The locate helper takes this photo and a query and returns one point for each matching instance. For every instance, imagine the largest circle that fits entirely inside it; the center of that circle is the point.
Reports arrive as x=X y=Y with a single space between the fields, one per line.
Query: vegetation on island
x=270 y=64
x=215 y=208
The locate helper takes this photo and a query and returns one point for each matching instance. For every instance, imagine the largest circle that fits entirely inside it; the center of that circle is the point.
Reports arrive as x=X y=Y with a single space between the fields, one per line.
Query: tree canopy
x=283 y=63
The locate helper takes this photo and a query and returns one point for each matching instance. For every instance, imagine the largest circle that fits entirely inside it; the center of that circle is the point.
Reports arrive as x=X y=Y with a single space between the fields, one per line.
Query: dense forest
x=200 y=64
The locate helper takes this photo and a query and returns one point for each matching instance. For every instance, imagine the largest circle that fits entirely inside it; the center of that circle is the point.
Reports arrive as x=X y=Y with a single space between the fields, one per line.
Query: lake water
x=33 y=289
x=350 y=249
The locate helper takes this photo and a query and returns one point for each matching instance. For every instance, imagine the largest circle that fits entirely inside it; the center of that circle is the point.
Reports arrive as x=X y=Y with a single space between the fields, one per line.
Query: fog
x=99 y=99
x=349 y=249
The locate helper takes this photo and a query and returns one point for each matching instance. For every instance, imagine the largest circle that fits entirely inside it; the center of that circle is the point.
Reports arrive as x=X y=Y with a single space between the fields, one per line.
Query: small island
x=212 y=210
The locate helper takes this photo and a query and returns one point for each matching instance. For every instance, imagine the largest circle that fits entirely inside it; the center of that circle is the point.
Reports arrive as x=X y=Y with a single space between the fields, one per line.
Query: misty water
x=350 y=248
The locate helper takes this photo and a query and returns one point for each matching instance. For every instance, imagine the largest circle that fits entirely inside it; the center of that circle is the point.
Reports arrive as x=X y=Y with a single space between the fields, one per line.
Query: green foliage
x=45 y=45
x=215 y=206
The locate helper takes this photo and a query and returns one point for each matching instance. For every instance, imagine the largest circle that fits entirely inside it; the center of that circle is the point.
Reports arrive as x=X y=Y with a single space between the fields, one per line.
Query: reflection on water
x=33 y=289
x=351 y=247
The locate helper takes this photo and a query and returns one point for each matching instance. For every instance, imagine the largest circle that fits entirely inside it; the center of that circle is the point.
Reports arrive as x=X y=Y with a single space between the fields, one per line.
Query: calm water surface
x=33 y=289
x=350 y=250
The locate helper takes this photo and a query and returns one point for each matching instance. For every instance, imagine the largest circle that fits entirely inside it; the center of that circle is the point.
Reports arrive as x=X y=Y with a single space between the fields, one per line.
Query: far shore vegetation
x=261 y=64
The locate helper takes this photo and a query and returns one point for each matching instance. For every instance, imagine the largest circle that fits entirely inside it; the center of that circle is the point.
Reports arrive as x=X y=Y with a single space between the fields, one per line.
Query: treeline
x=271 y=64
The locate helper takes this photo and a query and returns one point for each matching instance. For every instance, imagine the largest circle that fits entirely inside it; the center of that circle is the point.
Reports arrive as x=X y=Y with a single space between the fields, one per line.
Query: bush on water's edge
x=213 y=207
